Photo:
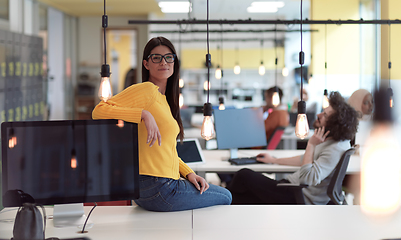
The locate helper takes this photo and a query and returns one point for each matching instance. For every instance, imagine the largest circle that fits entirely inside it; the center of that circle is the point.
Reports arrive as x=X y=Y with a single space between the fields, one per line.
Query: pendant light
x=262 y=69
x=301 y=126
x=276 y=96
x=12 y=139
x=221 y=98
x=381 y=163
x=105 y=91
x=180 y=80
x=285 y=71
x=207 y=131
x=325 y=101
x=217 y=74
x=237 y=68
x=390 y=90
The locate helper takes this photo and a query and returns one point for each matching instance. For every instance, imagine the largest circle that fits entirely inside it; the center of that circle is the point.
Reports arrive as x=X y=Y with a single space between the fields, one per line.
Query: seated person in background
x=277 y=116
x=321 y=156
x=362 y=101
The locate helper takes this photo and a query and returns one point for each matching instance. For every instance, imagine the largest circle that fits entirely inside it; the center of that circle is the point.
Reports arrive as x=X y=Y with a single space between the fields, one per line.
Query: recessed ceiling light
x=175 y=7
x=265 y=7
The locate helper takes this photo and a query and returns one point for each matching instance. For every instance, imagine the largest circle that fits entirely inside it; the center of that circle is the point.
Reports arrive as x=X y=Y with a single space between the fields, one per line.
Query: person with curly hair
x=334 y=128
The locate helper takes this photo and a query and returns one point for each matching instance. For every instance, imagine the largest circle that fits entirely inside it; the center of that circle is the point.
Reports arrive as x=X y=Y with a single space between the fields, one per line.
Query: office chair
x=334 y=190
x=275 y=138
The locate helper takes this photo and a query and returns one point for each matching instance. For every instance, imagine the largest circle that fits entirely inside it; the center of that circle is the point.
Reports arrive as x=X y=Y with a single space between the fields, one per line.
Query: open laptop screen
x=190 y=151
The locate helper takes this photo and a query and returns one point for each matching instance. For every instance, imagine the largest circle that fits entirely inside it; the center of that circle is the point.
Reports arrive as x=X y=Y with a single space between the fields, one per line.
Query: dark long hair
x=172 y=89
x=342 y=124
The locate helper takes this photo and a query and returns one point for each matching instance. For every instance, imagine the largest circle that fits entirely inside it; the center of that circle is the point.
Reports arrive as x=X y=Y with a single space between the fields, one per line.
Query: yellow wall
x=122 y=45
x=247 y=58
x=343 y=52
x=390 y=9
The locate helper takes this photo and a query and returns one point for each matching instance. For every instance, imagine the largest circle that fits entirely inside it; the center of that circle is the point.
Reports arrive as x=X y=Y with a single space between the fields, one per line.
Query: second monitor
x=239 y=128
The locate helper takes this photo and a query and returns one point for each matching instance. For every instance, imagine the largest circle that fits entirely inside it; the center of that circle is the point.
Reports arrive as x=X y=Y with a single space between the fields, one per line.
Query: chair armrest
x=292 y=185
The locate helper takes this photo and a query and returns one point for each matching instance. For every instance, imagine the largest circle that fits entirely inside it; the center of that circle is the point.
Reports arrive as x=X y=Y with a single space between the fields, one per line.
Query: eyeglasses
x=157 y=58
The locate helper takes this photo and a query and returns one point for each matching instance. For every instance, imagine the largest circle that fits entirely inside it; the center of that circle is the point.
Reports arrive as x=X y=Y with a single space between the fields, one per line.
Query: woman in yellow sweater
x=153 y=104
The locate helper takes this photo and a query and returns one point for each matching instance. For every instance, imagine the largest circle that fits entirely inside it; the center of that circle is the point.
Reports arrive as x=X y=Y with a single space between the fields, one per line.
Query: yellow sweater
x=158 y=161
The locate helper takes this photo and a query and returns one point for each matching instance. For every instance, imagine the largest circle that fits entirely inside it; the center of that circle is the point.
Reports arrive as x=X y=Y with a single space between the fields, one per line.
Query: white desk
x=115 y=222
x=291 y=222
x=226 y=222
x=216 y=161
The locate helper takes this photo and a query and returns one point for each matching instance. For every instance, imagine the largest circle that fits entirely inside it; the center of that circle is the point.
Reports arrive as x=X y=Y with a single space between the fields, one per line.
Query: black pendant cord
x=325 y=56
x=104 y=31
x=208 y=57
x=389 y=58
x=276 y=61
x=221 y=61
x=301 y=56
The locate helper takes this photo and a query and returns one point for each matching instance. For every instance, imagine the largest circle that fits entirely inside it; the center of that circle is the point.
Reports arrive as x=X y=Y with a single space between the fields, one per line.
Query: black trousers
x=249 y=187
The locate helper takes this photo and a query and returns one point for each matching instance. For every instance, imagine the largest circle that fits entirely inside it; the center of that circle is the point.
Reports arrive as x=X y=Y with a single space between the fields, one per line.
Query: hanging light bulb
x=105 y=91
x=218 y=73
x=325 y=102
x=302 y=126
x=390 y=93
x=206 y=85
x=120 y=123
x=381 y=163
x=207 y=131
x=181 y=83
x=73 y=162
x=237 y=69
x=12 y=139
x=181 y=100
x=221 y=103
x=276 y=98
x=285 y=71
x=262 y=69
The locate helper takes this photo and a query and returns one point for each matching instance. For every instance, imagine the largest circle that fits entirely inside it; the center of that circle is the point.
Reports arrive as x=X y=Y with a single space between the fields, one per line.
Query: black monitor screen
x=58 y=162
x=239 y=128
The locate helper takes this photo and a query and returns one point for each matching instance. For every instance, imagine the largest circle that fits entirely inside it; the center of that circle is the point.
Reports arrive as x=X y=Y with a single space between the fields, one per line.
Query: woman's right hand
x=152 y=128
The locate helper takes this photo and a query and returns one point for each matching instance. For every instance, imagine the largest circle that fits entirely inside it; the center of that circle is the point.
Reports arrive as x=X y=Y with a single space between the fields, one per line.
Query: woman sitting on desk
x=153 y=104
x=323 y=152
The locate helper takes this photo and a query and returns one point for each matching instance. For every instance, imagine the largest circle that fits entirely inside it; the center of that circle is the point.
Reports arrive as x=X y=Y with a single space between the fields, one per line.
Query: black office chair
x=334 y=190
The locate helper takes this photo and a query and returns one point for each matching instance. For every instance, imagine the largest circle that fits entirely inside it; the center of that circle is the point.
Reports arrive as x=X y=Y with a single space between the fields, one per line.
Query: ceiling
x=218 y=9
x=113 y=7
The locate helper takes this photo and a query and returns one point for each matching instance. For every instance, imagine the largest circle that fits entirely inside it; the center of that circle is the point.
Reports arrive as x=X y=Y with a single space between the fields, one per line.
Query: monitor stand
x=233 y=153
x=70 y=215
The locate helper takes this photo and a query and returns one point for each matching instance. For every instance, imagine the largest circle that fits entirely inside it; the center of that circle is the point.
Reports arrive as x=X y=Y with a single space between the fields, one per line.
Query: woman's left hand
x=198 y=181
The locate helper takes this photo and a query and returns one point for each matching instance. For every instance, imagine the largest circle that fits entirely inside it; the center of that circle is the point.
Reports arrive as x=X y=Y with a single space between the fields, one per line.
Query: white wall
x=56 y=87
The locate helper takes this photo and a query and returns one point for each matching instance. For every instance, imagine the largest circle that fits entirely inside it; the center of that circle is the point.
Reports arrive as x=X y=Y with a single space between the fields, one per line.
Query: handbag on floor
x=29 y=223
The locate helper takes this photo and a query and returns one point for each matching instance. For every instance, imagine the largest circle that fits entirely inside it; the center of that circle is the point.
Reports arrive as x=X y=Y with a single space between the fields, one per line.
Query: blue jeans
x=165 y=195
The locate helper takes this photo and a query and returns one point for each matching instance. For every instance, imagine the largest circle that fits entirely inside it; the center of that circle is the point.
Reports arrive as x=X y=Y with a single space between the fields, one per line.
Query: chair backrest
x=275 y=138
x=334 y=191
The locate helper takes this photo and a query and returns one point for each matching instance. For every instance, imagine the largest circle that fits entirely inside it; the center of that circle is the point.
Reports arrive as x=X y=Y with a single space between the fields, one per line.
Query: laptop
x=190 y=151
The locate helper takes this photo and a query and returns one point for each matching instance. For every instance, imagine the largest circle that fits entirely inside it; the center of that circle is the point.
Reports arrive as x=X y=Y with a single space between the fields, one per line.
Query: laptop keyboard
x=243 y=161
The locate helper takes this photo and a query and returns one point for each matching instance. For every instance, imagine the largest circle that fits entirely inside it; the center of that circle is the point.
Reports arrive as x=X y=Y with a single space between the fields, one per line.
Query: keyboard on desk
x=243 y=161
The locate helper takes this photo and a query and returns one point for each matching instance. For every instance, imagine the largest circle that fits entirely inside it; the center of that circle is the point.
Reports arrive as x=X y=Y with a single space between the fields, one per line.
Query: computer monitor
x=68 y=163
x=239 y=128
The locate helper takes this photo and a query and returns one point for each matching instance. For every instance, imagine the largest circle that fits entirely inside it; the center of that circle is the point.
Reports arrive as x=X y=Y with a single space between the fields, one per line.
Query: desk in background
x=216 y=161
x=233 y=222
